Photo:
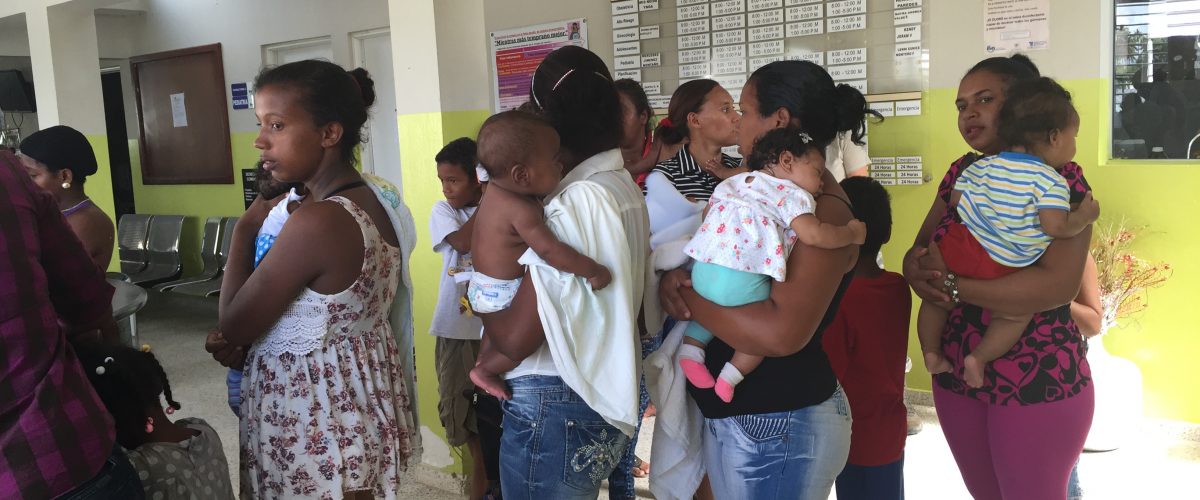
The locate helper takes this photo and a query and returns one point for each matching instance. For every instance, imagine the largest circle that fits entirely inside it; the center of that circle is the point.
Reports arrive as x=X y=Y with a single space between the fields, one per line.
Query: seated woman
x=59 y=159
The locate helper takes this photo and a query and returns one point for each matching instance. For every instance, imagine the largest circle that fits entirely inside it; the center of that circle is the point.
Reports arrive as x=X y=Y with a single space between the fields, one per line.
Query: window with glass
x=1156 y=93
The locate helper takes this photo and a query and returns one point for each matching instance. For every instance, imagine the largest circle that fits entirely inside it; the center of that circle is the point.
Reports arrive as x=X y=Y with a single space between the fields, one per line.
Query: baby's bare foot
x=936 y=362
x=973 y=371
x=490 y=383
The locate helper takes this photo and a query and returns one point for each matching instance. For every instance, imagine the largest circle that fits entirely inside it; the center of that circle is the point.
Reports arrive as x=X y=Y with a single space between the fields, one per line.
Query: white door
x=381 y=152
x=276 y=54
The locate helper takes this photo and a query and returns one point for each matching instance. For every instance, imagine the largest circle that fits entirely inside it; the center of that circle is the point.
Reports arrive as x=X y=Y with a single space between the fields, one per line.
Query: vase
x=1118 y=388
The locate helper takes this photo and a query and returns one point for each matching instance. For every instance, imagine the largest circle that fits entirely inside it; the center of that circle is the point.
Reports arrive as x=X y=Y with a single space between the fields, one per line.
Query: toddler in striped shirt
x=1011 y=207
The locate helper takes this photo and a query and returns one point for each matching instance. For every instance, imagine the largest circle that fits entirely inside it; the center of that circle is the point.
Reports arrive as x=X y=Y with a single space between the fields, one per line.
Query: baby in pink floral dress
x=750 y=225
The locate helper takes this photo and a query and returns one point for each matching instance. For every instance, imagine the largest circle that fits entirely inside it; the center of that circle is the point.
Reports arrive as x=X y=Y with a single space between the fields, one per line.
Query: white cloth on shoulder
x=672 y=215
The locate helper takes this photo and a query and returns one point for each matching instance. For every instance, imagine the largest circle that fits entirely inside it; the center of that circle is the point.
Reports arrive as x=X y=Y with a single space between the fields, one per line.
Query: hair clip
x=805 y=138
x=481 y=173
x=100 y=369
x=145 y=347
x=666 y=122
x=170 y=410
x=560 y=80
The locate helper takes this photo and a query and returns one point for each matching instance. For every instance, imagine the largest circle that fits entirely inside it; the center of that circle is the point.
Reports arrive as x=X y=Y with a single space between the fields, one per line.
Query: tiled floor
x=1152 y=466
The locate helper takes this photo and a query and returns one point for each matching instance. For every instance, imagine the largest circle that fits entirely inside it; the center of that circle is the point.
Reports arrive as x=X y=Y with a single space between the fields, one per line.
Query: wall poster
x=1016 y=25
x=517 y=52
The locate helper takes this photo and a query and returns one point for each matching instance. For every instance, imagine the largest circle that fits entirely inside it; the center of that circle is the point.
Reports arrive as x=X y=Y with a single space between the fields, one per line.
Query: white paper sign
x=908 y=159
x=906 y=4
x=652 y=60
x=765 y=4
x=178 y=111
x=729 y=52
x=908 y=108
x=625 y=21
x=860 y=85
x=648 y=32
x=880 y=162
x=731 y=82
x=910 y=182
x=694 y=41
x=886 y=109
x=805 y=12
x=693 y=70
x=728 y=7
x=1012 y=25
x=887 y=182
x=817 y=58
x=627 y=48
x=692 y=27
x=907 y=16
x=805 y=28
x=883 y=174
x=694 y=56
x=689 y=2
x=728 y=37
x=645 y=5
x=847 y=7
x=626 y=62
x=766 y=48
x=906 y=34
x=848 y=56
x=652 y=88
x=847 y=72
x=848 y=23
x=626 y=35
x=624 y=7
x=908 y=174
x=763 y=61
x=632 y=74
x=766 y=17
x=802 y=2
x=691 y=12
x=772 y=32
x=729 y=67
x=659 y=101
x=910 y=167
x=912 y=49
x=729 y=22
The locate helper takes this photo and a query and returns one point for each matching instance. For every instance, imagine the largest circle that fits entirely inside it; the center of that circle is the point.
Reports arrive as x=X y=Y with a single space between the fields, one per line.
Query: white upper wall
x=1080 y=40
x=242 y=28
x=462 y=51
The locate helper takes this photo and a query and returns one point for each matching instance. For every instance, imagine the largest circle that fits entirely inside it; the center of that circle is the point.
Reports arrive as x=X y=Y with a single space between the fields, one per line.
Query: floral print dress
x=325 y=407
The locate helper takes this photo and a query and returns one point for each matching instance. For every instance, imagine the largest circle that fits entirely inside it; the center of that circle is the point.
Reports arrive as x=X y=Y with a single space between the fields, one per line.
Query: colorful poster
x=516 y=54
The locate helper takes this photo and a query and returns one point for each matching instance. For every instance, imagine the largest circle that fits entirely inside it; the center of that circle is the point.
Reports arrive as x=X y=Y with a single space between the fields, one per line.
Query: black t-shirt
x=778 y=384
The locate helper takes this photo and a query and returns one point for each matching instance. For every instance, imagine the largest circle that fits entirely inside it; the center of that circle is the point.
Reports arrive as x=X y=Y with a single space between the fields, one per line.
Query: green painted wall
x=196 y=201
x=421 y=136
x=1164 y=340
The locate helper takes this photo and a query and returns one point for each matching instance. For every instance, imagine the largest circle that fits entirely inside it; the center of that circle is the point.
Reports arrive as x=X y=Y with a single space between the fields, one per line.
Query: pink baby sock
x=729 y=378
x=691 y=361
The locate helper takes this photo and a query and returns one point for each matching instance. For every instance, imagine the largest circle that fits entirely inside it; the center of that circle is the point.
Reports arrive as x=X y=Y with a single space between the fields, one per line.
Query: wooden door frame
x=218 y=73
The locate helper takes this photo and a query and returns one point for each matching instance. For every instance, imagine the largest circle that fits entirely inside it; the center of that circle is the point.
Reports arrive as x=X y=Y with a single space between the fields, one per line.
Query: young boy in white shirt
x=457 y=330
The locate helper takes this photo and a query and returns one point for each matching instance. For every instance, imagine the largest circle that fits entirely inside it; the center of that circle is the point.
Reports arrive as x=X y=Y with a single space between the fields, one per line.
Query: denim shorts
x=553 y=445
x=792 y=454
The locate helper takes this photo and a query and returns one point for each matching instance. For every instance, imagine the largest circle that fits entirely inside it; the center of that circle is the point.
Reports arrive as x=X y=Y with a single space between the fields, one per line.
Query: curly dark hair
x=574 y=91
x=130 y=383
x=873 y=206
x=1032 y=110
x=772 y=144
x=460 y=152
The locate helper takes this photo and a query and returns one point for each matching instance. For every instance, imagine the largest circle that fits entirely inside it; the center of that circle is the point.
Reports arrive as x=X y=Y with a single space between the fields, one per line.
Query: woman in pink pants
x=1017 y=436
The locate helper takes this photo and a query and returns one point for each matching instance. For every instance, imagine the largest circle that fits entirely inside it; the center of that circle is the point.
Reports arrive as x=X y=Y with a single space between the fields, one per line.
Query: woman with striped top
x=702 y=114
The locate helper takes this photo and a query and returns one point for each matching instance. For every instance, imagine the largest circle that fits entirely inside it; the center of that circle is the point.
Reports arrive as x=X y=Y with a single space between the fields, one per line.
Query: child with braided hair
x=175 y=460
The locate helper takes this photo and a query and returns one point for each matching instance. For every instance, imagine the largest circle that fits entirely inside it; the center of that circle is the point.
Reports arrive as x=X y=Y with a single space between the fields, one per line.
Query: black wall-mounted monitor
x=16 y=94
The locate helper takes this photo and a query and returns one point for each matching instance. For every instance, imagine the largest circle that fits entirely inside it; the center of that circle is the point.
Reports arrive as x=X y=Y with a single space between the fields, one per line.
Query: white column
x=65 y=58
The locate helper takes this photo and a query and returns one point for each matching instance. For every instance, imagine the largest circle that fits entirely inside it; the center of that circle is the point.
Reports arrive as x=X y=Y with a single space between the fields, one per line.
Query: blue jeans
x=620 y=483
x=795 y=454
x=116 y=479
x=553 y=445
x=878 y=482
x=1074 y=491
